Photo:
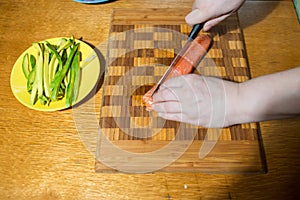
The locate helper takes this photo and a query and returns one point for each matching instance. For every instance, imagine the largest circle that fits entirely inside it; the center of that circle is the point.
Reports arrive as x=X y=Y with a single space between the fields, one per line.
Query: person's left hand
x=195 y=99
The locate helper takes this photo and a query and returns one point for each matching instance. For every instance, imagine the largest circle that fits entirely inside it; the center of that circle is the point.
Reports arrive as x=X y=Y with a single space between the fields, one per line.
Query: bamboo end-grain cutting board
x=142 y=44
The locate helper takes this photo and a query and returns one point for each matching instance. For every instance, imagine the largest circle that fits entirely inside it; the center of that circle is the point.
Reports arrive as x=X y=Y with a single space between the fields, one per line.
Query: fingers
x=171 y=116
x=195 y=17
x=177 y=99
x=175 y=95
x=168 y=90
x=211 y=23
x=167 y=107
x=165 y=94
x=174 y=82
x=166 y=99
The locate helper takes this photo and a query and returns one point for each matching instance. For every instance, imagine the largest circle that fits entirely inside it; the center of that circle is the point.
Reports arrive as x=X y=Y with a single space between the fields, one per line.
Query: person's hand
x=212 y=11
x=214 y=103
x=196 y=99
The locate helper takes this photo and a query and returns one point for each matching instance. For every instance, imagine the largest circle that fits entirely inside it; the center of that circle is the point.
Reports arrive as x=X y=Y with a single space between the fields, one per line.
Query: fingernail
x=207 y=26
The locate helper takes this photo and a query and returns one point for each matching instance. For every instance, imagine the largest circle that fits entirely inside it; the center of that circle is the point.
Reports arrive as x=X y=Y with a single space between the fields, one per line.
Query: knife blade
x=193 y=34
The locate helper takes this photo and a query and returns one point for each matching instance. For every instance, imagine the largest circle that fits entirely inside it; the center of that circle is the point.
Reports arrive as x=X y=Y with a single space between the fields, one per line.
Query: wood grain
x=43 y=155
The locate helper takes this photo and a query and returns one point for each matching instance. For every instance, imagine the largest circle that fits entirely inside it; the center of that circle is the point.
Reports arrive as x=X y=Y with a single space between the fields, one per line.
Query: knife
x=193 y=34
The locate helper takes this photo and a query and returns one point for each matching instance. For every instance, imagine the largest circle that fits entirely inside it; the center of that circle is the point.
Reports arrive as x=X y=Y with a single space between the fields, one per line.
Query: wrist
x=240 y=108
x=252 y=103
x=232 y=103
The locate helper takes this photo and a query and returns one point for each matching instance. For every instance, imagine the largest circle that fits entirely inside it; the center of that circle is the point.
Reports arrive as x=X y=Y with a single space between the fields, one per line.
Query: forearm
x=269 y=97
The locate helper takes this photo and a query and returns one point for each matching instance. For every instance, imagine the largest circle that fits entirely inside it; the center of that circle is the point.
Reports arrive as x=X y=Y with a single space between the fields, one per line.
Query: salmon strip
x=188 y=61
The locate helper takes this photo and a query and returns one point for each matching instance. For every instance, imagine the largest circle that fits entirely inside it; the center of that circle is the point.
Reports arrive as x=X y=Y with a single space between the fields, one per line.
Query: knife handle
x=195 y=30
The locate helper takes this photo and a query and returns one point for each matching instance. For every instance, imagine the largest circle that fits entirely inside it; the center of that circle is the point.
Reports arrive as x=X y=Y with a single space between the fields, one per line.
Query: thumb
x=211 y=23
x=196 y=17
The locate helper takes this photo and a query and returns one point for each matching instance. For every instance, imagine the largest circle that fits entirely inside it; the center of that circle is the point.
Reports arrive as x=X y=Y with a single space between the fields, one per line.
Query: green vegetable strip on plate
x=38 y=88
x=73 y=83
x=59 y=76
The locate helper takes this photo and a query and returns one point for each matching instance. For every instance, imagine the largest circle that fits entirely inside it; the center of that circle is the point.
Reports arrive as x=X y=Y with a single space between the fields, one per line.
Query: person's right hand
x=212 y=11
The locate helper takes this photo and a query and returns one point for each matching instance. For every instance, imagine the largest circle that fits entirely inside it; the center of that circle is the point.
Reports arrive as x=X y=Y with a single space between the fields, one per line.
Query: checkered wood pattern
x=143 y=43
x=139 y=55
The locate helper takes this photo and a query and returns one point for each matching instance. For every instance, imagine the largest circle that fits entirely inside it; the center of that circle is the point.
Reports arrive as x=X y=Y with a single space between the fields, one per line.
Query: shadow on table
x=256 y=15
x=250 y=15
x=100 y=80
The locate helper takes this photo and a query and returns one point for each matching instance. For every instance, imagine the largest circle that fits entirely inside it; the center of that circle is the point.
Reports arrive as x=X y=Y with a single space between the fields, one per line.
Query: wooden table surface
x=43 y=155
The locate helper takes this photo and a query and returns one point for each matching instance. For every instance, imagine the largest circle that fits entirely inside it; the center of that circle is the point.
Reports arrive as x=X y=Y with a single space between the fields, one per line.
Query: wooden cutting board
x=143 y=43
